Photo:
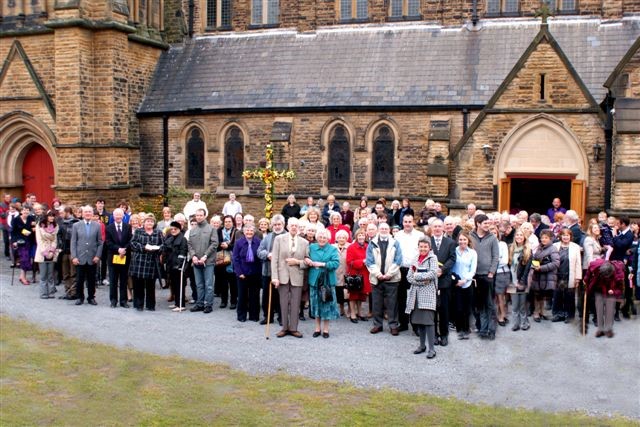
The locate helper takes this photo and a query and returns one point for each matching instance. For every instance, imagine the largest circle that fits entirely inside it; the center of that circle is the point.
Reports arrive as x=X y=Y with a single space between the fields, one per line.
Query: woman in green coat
x=322 y=259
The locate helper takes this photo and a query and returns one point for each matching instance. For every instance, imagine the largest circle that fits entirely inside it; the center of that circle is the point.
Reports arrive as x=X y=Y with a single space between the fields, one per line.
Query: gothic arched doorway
x=539 y=160
x=27 y=157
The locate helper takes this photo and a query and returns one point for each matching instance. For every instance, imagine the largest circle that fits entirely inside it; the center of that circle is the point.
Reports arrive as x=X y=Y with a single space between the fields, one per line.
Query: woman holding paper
x=145 y=247
x=22 y=239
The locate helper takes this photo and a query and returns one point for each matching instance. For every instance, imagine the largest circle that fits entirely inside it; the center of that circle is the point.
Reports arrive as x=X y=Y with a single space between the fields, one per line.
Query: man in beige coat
x=287 y=275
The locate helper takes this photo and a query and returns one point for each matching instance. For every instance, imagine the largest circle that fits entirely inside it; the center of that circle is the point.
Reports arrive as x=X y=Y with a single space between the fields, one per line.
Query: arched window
x=233 y=157
x=383 y=158
x=195 y=159
x=339 y=158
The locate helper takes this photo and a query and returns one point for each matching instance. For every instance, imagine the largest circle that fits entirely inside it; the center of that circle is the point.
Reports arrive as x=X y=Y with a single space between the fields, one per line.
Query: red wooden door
x=38 y=175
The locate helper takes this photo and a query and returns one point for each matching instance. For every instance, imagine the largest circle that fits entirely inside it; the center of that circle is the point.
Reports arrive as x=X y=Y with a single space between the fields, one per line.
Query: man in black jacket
x=445 y=249
x=622 y=242
x=536 y=220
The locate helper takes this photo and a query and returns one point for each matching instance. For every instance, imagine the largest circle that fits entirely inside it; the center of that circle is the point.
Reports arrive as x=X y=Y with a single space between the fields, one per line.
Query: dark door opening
x=536 y=194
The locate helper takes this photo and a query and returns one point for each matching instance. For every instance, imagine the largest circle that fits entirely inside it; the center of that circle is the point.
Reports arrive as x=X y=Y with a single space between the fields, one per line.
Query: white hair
x=342 y=233
x=572 y=215
x=323 y=232
x=292 y=221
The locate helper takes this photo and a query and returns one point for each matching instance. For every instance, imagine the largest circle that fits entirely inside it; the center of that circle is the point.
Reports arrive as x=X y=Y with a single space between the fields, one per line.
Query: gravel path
x=549 y=368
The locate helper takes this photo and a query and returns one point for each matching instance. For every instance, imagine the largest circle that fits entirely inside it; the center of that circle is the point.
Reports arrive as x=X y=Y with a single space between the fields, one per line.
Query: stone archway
x=19 y=134
x=542 y=147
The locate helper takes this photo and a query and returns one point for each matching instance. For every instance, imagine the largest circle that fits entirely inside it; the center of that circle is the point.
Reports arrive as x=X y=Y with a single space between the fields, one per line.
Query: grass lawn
x=49 y=379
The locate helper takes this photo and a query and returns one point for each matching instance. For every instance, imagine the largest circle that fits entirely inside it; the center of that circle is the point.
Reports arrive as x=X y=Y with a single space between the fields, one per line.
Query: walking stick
x=268 y=312
x=180 y=309
x=13 y=270
x=584 y=311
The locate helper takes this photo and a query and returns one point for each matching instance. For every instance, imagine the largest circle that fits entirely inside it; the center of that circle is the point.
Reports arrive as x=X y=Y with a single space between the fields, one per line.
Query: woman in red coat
x=356 y=253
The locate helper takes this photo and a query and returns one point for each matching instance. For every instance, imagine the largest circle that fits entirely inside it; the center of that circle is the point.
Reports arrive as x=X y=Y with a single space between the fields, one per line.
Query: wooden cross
x=269 y=175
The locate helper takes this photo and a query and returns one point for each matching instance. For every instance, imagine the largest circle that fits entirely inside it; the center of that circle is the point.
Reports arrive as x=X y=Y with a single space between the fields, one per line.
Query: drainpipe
x=474 y=13
x=165 y=160
x=191 y=8
x=465 y=120
x=608 y=150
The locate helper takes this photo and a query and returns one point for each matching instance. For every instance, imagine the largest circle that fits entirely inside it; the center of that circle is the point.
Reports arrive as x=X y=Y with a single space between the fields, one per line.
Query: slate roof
x=403 y=66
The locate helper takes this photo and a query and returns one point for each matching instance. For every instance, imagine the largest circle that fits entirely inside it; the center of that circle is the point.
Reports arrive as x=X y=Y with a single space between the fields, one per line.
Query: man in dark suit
x=118 y=236
x=622 y=242
x=536 y=221
x=445 y=249
x=86 y=249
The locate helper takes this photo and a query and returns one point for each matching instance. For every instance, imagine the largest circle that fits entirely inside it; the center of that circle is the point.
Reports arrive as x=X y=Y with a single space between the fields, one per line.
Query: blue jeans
x=204 y=285
x=484 y=304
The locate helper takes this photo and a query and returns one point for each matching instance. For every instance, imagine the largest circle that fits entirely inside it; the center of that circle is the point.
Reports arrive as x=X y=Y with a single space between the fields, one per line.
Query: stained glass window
x=339 y=158
x=383 y=158
x=234 y=157
x=195 y=159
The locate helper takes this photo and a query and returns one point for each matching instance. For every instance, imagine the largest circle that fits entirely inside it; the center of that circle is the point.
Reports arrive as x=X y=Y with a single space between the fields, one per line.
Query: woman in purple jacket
x=248 y=268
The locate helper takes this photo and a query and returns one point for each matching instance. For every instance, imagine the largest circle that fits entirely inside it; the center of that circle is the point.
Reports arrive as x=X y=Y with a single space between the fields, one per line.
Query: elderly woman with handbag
x=323 y=261
x=47 y=253
x=422 y=295
x=357 y=281
x=544 y=266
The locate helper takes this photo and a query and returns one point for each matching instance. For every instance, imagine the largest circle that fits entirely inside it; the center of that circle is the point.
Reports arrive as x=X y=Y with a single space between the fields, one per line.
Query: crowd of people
x=415 y=270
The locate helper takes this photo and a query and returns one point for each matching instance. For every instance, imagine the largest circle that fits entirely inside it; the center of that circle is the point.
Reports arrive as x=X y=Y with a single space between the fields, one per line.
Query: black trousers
x=627 y=295
x=275 y=298
x=227 y=286
x=442 y=313
x=249 y=298
x=5 y=240
x=403 y=288
x=118 y=282
x=144 y=292
x=86 y=272
x=192 y=282
x=463 y=307
x=178 y=287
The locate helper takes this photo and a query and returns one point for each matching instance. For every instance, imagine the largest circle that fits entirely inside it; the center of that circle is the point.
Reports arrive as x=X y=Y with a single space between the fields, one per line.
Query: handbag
x=353 y=282
x=223 y=257
x=324 y=288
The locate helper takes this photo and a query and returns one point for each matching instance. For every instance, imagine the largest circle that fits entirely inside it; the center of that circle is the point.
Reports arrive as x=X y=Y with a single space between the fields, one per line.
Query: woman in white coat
x=569 y=276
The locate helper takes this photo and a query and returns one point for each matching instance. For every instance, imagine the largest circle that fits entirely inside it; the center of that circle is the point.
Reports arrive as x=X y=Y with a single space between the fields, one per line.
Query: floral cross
x=268 y=175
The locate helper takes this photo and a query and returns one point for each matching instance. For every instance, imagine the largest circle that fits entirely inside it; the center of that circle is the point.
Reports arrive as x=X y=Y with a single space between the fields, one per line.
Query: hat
x=175 y=224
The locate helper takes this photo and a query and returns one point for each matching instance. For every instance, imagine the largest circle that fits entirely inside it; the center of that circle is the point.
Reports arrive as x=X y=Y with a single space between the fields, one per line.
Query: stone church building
x=462 y=101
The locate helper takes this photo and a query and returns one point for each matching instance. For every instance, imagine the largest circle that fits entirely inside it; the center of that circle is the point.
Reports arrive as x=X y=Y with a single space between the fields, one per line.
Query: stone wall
x=626 y=147
x=307 y=154
x=560 y=89
x=307 y=15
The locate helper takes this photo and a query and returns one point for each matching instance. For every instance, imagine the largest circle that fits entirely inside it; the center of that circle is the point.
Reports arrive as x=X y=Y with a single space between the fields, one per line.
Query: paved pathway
x=549 y=368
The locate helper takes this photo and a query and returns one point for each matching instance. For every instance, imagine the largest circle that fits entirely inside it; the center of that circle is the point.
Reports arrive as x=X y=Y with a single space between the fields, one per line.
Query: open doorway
x=536 y=194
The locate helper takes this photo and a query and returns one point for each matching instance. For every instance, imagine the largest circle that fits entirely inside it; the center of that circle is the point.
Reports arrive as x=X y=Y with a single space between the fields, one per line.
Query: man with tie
x=445 y=249
x=118 y=236
x=408 y=239
x=86 y=249
x=287 y=275
x=384 y=258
